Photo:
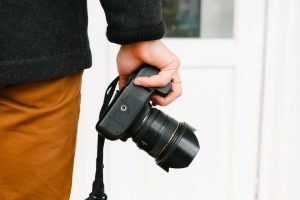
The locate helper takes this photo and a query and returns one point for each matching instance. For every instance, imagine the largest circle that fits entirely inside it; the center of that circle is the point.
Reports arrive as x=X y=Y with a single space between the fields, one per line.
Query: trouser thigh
x=38 y=126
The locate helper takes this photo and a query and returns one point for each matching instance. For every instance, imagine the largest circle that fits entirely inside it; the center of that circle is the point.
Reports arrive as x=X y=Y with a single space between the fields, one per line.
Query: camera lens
x=173 y=144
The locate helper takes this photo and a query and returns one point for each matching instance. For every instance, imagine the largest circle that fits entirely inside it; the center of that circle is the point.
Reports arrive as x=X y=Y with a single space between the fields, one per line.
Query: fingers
x=154 y=53
x=122 y=81
x=161 y=57
x=159 y=80
x=175 y=92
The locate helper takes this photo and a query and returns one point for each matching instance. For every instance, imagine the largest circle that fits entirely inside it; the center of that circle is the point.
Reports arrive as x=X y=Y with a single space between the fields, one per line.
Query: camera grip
x=147 y=71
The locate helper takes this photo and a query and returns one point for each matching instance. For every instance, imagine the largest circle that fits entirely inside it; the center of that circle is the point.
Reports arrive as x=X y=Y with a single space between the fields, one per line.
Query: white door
x=220 y=44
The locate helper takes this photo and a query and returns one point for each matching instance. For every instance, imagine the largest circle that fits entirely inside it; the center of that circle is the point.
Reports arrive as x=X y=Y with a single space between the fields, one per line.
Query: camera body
x=173 y=144
x=128 y=104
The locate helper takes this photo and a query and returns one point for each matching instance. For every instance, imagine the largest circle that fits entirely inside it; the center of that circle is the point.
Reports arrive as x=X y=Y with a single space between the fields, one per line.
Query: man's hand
x=155 y=53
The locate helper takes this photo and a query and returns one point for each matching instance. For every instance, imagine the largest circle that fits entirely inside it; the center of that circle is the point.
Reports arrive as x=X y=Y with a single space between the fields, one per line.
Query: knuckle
x=163 y=103
x=161 y=82
x=176 y=62
x=142 y=50
x=179 y=94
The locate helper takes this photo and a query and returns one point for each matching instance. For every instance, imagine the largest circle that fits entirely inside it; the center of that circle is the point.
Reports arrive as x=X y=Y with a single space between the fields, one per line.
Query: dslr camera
x=173 y=144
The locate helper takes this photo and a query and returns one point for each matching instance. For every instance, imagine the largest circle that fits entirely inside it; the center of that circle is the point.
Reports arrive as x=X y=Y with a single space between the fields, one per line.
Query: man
x=44 y=49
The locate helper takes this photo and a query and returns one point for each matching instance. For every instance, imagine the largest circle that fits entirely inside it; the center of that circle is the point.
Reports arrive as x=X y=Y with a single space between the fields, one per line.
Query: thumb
x=122 y=81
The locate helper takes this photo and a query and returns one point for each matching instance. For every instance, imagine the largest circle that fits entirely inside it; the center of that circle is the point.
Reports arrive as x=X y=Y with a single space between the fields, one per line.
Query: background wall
x=279 y=173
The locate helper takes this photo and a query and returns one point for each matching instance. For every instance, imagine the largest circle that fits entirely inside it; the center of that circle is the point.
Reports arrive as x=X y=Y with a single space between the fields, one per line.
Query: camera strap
x=98 y=192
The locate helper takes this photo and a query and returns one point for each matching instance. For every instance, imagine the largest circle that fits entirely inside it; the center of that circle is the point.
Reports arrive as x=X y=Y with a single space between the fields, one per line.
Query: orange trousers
x=38 y=126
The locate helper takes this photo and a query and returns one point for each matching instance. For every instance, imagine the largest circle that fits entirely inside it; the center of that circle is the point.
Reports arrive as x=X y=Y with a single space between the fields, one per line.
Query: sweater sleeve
x=132 y=21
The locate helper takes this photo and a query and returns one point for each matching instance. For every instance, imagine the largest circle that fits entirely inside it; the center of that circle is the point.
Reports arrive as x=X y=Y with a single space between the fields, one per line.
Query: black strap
x=98 y=192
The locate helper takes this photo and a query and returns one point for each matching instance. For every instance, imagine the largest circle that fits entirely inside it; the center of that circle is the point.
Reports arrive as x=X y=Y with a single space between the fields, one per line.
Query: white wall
x=289 y=148
x=280 y=161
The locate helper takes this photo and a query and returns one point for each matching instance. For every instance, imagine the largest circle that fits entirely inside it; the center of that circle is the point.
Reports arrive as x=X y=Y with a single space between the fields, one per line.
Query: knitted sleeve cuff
x=132 y=21
x=131 y=36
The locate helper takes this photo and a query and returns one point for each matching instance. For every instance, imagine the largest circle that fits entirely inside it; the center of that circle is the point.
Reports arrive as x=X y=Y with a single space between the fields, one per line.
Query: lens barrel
x=172 y=144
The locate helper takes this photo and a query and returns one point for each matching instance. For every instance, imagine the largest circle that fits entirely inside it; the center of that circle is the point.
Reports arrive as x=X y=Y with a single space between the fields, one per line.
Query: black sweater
x=46 y=39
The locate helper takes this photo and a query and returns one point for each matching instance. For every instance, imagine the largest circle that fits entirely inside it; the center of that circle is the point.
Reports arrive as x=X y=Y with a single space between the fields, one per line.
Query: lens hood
x=182 y=151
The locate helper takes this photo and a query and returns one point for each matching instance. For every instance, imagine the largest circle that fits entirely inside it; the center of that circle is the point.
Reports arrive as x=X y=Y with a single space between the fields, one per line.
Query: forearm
x=132 y=21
